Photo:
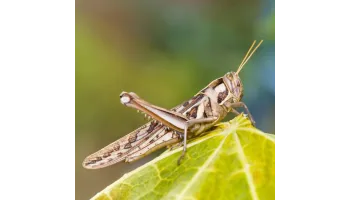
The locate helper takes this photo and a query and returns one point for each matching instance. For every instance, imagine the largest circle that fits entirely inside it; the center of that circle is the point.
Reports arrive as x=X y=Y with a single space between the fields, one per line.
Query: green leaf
x=233 y=161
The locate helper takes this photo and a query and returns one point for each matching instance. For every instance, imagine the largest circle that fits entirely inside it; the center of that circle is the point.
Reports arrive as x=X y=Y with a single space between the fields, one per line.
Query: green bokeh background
x=165 y=51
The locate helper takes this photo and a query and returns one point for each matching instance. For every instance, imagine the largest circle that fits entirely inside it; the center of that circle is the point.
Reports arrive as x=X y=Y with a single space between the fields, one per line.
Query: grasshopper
x=175 y=126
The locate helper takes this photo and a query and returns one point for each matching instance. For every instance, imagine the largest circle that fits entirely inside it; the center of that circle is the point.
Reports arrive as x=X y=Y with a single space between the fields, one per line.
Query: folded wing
x=136 y=143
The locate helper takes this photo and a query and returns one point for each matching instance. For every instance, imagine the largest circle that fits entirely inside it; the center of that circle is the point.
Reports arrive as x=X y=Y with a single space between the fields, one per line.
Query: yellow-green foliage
x=233 y=161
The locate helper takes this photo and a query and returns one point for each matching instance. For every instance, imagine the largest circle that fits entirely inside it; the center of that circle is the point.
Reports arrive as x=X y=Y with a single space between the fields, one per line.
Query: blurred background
x=165 y=51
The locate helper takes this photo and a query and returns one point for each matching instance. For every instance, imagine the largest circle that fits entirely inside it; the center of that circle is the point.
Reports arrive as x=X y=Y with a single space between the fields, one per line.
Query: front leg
x=235 y=112
x=242 y=105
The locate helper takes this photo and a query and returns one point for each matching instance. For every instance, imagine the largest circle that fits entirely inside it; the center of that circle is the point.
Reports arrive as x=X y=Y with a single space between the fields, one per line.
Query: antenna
x=246 y=57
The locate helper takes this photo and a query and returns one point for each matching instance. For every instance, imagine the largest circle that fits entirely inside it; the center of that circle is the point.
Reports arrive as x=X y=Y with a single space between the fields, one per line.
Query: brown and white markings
x=168 y=127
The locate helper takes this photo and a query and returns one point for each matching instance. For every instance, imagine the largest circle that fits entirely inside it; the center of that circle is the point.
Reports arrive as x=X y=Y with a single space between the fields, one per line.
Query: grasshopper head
x=234 y=84
x=232 y=80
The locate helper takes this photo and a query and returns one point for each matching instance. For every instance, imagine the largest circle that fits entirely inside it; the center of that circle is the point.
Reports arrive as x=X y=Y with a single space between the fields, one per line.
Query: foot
x=250 y=118
x=181 y=157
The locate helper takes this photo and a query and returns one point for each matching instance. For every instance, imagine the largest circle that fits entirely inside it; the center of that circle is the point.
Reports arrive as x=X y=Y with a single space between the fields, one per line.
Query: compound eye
x=238 y=84
x=229 y=75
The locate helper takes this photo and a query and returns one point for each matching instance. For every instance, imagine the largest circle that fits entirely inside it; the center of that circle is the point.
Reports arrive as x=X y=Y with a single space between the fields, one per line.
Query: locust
x=170 y=127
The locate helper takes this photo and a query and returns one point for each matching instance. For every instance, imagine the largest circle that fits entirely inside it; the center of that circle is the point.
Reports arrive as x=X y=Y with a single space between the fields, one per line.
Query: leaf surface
x=233 y=161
